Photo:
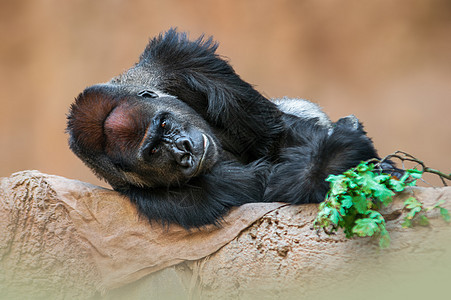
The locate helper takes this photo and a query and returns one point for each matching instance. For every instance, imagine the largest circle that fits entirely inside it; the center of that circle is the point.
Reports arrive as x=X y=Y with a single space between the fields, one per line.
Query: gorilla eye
x=148 y=94
x=164 y=122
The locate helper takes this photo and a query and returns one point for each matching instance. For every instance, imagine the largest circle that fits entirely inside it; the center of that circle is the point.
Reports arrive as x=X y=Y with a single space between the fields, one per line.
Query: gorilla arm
x=205 y=199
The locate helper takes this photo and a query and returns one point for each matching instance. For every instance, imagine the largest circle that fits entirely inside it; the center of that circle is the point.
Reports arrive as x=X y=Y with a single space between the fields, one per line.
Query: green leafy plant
x=417 y=211
x=355 y=197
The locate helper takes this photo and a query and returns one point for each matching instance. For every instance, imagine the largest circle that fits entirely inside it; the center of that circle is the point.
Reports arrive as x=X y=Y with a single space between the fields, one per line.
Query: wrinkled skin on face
x=140 y=137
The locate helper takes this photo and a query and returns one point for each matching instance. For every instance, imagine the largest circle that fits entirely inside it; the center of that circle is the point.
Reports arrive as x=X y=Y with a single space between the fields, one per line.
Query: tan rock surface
x=66 y=238
x=281 y=257
x=63 y=237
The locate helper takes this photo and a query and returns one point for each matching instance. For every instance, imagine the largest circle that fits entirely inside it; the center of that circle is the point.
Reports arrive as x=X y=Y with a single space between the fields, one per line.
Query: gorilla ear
x=350 y=122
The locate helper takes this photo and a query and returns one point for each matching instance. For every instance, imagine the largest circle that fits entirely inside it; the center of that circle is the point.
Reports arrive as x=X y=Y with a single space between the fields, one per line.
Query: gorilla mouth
x=206 y=144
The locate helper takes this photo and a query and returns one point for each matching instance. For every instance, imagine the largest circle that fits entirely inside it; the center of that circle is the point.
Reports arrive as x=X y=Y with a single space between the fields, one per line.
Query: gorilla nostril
x=187 y=145
x=185 y=160
x=184 y=144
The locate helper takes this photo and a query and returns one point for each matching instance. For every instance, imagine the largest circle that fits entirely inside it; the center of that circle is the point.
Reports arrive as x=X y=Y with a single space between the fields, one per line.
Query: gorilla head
x=143 y=138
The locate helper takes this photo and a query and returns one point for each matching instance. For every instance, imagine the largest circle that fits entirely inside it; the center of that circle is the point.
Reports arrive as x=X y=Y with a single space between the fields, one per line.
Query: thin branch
x=406 y=157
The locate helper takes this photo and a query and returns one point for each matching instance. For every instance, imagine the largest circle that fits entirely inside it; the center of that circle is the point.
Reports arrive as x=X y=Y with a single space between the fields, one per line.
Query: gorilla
x=185 y=138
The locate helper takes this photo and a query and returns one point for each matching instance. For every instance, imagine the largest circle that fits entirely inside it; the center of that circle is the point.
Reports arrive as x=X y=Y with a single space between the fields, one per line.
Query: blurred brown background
x=388 y=62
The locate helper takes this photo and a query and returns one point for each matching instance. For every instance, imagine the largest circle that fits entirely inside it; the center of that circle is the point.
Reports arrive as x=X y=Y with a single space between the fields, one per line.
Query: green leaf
x=437 y=205
x=346 y=201
x=338 y=185
x=445 y=214
x=383 y=193
x=381 y=178
x=411 y=214
x=369 y=183
x=397 y=185
x=360 y=203
x=333 y=201
x=412 y=183
x=384 y=241
x=331 y=178
x=326 y=210
x=335 y=216
x=376 y=216
x=351 y=184
x=350 y=173
x=411 y=203
x=348 y=232
x=366 y=182
x=407 y=223
x=365 y=227
x=362 y=167
x=404 y=177
x=423 y=220
x=415 y=173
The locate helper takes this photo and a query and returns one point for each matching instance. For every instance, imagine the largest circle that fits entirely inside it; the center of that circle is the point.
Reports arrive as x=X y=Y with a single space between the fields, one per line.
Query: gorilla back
x=185 y=138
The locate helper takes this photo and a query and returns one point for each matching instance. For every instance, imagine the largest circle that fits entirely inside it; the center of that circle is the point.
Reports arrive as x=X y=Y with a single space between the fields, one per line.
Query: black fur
x=204 y=200
x=298 y=176
x=268 y=155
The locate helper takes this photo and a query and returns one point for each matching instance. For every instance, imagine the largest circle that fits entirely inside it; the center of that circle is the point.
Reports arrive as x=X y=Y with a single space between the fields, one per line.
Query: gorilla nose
x=184 y=144
x=183 y=152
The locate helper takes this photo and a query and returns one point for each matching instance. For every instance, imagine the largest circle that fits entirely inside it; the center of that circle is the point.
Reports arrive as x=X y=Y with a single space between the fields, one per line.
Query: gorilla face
x=142 y=137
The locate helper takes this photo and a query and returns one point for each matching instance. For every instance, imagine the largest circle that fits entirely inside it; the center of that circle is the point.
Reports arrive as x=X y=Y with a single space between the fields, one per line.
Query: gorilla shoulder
x=303 y=109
